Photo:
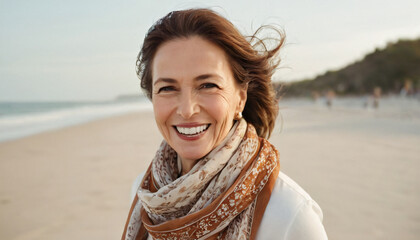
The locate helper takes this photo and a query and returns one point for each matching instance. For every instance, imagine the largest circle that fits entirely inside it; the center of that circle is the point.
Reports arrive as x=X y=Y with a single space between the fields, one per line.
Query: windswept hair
x=252 y=61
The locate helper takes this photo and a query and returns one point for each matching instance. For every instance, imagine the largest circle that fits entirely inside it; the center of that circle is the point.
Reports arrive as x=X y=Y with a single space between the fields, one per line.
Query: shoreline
x=22 y=119
x=20 y=126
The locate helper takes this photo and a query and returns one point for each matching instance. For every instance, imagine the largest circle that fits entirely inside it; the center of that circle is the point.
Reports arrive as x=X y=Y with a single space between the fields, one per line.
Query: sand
x=361 y=166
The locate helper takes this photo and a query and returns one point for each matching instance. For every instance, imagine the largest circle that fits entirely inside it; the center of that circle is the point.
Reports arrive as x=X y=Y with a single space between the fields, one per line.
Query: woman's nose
x=187 y=105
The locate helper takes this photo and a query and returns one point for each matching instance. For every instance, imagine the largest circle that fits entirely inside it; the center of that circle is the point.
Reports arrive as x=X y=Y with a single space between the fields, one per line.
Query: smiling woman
x=215 y=175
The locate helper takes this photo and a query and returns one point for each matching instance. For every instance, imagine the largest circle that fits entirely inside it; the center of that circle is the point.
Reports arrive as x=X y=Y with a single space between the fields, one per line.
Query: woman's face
x=195 y=96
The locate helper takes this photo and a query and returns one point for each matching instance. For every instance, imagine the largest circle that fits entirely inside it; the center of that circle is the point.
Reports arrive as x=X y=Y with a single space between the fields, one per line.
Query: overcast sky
x=86 y=50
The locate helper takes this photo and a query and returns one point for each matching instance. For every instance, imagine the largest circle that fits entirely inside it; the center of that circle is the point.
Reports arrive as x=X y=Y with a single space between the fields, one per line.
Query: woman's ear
x=243 y=94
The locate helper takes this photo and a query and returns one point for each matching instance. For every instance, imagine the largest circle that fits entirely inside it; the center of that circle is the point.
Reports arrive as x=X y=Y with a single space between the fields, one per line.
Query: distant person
x=377 y=91
x=215 y=176
x=407 y=90
x=330 y=95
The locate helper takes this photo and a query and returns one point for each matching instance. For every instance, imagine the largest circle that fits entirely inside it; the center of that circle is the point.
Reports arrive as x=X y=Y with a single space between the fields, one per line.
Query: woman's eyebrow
x=167 y=80
x=198 y=78
x=206 y=76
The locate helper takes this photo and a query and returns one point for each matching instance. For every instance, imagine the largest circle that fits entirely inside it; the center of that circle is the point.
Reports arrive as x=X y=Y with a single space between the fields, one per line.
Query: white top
x=291 y=214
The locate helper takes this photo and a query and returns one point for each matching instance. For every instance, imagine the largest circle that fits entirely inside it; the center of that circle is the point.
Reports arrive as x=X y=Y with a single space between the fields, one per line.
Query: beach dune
x=74 y=183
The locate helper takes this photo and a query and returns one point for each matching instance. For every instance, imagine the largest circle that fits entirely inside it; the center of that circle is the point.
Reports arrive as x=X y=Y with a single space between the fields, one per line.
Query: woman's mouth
x=192 y=131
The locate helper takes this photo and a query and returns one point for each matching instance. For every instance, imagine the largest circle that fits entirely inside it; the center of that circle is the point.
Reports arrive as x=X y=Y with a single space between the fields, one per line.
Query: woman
x=215 y=176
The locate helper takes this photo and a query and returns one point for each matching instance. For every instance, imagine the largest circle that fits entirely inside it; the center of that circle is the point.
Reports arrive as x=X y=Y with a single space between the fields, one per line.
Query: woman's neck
x=185 y=165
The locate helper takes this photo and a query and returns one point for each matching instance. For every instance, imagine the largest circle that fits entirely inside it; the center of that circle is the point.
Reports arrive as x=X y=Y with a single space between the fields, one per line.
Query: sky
x=55 y=50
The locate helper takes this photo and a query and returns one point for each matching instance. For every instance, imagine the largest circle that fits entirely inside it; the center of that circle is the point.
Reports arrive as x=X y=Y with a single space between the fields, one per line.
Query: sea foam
x=25 y=124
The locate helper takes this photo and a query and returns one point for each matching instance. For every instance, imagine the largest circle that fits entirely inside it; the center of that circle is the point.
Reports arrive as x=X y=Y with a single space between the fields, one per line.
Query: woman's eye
x=209 y=85
x=166 y=89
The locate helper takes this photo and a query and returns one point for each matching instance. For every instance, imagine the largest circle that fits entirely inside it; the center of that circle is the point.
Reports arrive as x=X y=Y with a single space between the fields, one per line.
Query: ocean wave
x=17 y=126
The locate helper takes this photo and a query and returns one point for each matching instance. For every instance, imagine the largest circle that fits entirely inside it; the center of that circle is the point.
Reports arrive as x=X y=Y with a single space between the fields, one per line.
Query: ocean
x=21 y=119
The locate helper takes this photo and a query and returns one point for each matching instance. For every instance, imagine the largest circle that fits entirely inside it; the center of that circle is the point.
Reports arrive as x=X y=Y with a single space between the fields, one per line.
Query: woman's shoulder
x=289 y=193
x=291 y=213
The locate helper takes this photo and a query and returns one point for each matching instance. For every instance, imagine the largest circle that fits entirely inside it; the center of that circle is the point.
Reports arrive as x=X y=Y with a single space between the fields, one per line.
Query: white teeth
x=193 y=130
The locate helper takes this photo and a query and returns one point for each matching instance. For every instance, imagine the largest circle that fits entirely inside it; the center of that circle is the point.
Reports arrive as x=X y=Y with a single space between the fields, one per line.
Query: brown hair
x=251 y=64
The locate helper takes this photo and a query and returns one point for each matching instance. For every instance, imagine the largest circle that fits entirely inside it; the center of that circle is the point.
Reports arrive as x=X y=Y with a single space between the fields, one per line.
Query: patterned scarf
x=222 y=197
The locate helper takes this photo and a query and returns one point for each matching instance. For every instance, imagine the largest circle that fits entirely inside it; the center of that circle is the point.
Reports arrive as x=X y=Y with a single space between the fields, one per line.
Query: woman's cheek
x=162 y=110
x=217 y=106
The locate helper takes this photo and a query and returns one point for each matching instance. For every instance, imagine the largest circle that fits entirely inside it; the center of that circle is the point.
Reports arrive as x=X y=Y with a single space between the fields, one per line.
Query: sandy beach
x=361 y=166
